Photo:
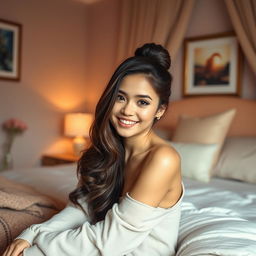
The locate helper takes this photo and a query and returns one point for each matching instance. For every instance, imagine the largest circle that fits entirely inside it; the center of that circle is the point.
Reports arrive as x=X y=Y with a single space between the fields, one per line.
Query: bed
x=219 y=207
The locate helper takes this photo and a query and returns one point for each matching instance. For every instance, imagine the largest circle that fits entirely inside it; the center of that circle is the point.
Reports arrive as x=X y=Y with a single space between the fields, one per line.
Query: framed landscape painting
x=211 y=65
x=10 y=50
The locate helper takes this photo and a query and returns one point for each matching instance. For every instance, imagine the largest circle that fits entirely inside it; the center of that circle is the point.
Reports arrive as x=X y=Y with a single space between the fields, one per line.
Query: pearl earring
x=158 y=117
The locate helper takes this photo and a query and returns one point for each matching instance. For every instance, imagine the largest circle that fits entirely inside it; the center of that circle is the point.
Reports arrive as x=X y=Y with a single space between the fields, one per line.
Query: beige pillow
x=205 y=130
x=238 y=159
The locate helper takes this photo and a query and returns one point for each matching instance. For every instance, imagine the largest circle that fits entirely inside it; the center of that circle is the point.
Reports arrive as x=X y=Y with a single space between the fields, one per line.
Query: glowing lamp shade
x=77 y=125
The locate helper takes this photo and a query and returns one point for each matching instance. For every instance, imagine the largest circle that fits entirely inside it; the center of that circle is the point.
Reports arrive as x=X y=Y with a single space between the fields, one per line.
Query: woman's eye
x=120 y=98
x=143 y=103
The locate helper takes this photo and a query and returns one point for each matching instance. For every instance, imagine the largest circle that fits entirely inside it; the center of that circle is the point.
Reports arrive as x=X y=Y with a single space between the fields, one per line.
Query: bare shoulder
x=164 y=155
x=160 y=174
x=163 y=161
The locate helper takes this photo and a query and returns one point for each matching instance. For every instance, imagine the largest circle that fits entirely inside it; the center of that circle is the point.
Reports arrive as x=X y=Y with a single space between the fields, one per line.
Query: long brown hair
x=101 y=167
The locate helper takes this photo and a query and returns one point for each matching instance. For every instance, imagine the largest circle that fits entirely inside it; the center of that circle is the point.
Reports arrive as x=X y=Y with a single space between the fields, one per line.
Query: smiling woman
x=130 y=188
x=136 y=107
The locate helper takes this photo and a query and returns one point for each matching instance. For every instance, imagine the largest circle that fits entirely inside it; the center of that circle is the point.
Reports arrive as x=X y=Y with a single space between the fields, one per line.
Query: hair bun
x=155 y=51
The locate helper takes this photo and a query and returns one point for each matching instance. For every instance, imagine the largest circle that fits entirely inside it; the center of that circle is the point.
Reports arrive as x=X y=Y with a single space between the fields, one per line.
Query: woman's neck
x=138 y=144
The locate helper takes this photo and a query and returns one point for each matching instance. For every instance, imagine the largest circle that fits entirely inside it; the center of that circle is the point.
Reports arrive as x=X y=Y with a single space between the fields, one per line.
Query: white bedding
x=56 y=181
x=218 y=218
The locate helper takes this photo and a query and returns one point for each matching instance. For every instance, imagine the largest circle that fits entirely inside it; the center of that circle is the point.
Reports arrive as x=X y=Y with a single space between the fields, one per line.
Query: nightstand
x=57 y=159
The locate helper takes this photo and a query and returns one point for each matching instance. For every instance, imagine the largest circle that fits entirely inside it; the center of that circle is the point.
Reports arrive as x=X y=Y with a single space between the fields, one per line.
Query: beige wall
x=103 y=18
x=53 y=79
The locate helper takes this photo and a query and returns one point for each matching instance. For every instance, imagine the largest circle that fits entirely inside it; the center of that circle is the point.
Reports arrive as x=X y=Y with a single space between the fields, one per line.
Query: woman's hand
x=16 y=248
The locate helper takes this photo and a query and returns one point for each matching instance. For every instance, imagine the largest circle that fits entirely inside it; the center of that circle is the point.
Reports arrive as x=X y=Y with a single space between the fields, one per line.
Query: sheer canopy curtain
x=243 y=17
x=159 y=21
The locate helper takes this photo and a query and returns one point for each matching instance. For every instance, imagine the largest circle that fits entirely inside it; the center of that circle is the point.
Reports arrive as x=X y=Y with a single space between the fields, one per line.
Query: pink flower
x=14 y=126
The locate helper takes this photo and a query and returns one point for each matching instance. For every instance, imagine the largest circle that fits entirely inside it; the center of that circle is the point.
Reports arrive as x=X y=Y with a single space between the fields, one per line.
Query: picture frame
x=10 y=50
x=212 y=65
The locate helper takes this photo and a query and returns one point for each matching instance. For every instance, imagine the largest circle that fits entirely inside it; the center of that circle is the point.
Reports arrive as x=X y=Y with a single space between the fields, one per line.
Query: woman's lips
x=126 y=123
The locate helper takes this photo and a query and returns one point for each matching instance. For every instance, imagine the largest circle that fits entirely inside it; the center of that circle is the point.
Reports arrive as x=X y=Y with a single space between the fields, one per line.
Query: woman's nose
x=128 y=109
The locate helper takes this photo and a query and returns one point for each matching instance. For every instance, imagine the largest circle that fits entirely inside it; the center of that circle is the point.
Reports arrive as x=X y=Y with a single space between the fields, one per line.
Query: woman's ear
x=160 y=111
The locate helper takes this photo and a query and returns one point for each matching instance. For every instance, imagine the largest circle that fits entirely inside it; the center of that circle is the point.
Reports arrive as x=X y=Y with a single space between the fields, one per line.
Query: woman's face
x=136 y=106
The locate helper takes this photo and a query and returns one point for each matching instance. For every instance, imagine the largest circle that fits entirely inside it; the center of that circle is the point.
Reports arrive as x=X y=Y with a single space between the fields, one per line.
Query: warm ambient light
x=78 y=125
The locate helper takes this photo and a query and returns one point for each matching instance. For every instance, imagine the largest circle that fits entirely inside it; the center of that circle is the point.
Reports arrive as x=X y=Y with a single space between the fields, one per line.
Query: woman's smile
x=126 y=123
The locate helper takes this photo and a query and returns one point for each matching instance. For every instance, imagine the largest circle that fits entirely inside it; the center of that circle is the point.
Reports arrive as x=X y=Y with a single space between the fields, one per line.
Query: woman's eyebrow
x=143 y=96
x=138 y=96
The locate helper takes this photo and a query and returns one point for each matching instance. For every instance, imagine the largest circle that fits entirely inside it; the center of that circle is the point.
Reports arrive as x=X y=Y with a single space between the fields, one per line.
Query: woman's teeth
x=127 y=122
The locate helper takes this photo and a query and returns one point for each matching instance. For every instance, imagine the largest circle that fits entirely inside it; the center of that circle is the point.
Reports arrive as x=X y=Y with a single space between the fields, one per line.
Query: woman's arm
x=127 y=224
x=70 y=217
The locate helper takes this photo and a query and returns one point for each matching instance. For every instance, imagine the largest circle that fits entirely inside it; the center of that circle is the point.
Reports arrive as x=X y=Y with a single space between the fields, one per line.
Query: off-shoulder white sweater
x=130 y=228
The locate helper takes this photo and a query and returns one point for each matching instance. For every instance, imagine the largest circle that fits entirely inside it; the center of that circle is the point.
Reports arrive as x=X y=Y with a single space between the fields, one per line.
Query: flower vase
x=7 y=162
x=12 y=127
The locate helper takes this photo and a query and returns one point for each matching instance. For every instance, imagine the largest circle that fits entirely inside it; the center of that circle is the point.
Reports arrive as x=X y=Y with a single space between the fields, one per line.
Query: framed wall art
x=211 y=65
x=10 y=50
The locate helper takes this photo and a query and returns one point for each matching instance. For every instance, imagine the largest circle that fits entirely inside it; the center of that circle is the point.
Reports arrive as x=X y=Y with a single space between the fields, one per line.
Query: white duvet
x=218 y=219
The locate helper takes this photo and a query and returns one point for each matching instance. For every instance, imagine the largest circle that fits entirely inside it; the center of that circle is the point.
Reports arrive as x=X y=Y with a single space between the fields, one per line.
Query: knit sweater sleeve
x=70 y=217
x=124 y=228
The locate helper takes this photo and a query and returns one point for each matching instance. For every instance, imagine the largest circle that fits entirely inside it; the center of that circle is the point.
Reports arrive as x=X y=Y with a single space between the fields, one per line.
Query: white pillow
x=196 y=159
x=238 y=159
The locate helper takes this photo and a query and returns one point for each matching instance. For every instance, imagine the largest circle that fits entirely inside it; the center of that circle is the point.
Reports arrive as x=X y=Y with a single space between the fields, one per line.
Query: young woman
x=127 y=201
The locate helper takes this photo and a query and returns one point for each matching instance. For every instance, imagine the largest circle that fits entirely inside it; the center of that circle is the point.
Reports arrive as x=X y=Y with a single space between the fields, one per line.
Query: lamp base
x=79 y=144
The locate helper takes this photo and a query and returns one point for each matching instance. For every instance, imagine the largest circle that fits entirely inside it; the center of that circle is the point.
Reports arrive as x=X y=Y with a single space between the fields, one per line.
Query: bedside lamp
x=77 y=125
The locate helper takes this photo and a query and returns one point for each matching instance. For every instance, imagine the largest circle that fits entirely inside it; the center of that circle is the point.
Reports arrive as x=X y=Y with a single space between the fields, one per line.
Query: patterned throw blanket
x=20 y=207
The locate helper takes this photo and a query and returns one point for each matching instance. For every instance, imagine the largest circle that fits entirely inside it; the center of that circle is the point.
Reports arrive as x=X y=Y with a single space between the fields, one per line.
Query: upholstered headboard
x=244 y=123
